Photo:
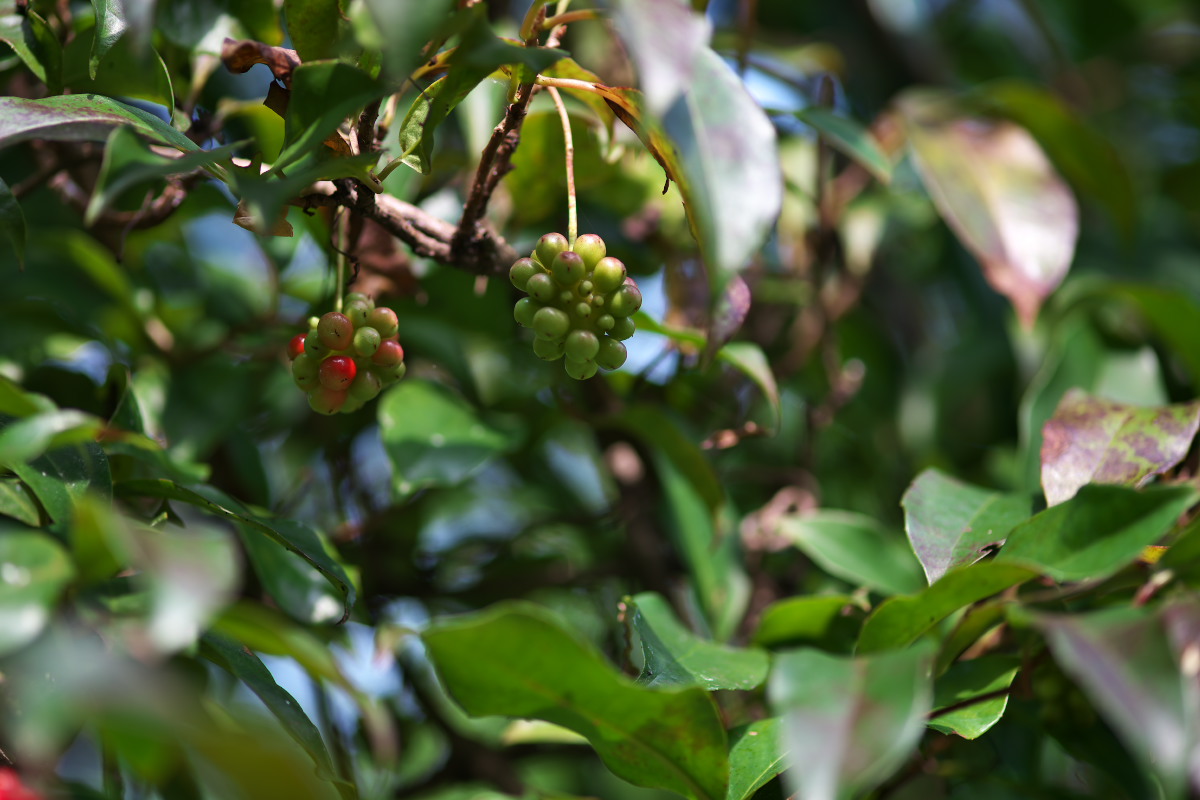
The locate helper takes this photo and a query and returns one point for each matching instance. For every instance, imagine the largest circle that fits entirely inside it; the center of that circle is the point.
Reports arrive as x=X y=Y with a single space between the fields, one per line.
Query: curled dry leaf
x=999 y=193
x=239 y=55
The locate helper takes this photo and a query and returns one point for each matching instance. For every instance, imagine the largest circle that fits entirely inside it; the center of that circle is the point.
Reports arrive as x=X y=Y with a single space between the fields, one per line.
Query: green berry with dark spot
x=548 y=247
x=366 y=342
x=626 y=301
x=582 y=345
x=541 y=287
x=356 y=311
x=384 y=320
x=551 y=323
x=612 y=354
x=548 y=350
x=590 y=247
x=524 y=310
x=580 y=370
x=622 y=329
x=568 y=269
x=335 y=331
x=608 y=274
x=521 y=271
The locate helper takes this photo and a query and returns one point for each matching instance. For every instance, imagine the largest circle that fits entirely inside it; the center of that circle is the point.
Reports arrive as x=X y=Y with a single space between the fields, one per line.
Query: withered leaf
x=239 y=55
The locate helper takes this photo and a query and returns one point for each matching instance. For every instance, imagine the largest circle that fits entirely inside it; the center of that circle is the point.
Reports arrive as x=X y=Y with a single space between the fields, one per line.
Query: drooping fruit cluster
x=346 y=358
x=580 y=303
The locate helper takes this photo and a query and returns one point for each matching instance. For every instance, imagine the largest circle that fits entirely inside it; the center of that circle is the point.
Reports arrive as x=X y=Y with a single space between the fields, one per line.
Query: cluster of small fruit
x=579 y=305
x=346 y=358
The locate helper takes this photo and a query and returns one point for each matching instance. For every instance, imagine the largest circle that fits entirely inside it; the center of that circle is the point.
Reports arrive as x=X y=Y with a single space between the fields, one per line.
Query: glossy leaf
x=299 y=540
x=855 y=548
x=952 y=524
x=1091 y=440
x=674 y=656
x=966 y=681
x=36 y=45
x=1097 y=532
x=62 y=477
x=851 y=138
x=110 y=26
x=756 y=755
x=1124 y=661
x=664 y=72
x=849 y=722
x=899 y=621
x=814 y=620
x=433 y=437
x=34 y=569
x=80 y=117
x=12 y=223
x=670 y=739
x=1000 y=195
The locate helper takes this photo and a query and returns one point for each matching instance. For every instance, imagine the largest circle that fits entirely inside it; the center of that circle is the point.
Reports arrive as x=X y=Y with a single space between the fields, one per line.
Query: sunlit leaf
x=80 y=117
x=855 y=548
x=964 y=685
x=951 y=523
x=849 y=722
x=851 y=138
x=756 y=755
x=672 y=739
x=1000 y=195
x=36 y=45
x=26 y=439
x=62 y=477
x=110 y=26
x=814 y=620
x=1091 y=440
x=664 y=72
x=674 y=656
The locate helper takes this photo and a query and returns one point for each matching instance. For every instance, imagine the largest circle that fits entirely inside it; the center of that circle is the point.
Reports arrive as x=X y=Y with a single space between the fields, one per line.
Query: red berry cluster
x=346 y=358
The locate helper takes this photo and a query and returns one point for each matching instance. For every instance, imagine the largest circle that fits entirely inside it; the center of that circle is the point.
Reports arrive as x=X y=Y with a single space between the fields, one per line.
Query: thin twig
x=569 y=17
x=572 y=211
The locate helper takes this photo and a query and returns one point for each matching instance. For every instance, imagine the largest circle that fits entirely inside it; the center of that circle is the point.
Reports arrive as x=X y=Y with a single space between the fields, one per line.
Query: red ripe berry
x=389 y=353
x=296 y=346
x=337 y=372
x=11 y=787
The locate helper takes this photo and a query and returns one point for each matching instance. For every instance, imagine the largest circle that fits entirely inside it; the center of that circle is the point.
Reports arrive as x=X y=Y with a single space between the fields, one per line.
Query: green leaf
x=1090 y=440
x=674 y=656
x=110 y=26
x=1128 y=663
x=298 y=539
x=12 y=223
x=27 y=438
x=849 y=722
x=63 y=476
x=900 y=621
x=80 y=117
x=536 y=667
x=756 y=755
x=403 y=27
x=34 y=569
x=1086 y=159
x=1173 y=316
x=17 y=402
x=855 y=548
x=36 y=45
x=659 y=432
x=258 y=628
x=18 y=502
x=323 y=94
x=951 y=523
x=1097 y=532
x=300 y=589
x=123 y=71
x=750 y=359
x=313 y=26
x=814 y=620
x=1000 y=195
x=965 y=681
x=433 y=437
x=246 y=667
x=665 y=72
x=128 y=161
x=851 y=138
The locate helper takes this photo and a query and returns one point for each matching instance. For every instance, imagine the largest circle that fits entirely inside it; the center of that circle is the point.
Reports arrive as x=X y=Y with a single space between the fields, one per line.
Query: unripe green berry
x=583 y=311
x=591 y=247
x=366 y=385
x=585 y=289
x=612 y=353
x=326 y=401
x=335 y=331
x=580 y=370
x=567 y=268
x=627 y=300
x=605 y=322
x=582 y=345
x=351 y=404
x=383 y=320
x=356 y=311
x=359 y=297
x=565 y=296
x=314 y=347
x=521 y=270
x=551 y=323
x=366 y=341
x=548 y=350
x=391 y=374
x=622 y=329
x=540 y=287
x=524 y=310
x=304 y=371
x=608 y=274
x=549 y=246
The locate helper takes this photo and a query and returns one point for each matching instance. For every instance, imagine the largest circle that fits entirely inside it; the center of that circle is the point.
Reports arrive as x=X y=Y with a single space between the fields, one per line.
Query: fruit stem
x=569 y=17
x=572 y=212
x=340 y=249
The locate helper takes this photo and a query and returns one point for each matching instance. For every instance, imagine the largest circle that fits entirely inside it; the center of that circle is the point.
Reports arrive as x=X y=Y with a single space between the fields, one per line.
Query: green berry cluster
x=346 y=358
x=580 y=303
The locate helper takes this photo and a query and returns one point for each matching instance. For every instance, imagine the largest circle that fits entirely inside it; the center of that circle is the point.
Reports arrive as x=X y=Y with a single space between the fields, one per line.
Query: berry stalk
x=572 y=214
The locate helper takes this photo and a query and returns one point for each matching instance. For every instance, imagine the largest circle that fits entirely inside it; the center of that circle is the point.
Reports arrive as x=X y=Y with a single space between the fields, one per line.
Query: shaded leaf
x=1090 y=440
x=660 y=433
x=671 y=739
x=756 y=755
x=433 y=437
x=951 y=523
x=750 y=359
x=36 y=45
x=403 y=28
x=110 y=26
x=1097 y=532
x=1173 y=316
x=80 y=117
x=665 y=72
x=62 y=477
x=323 y=94
x=1123 y=660
x=34 y=569
x=300 y=589
x=851 y=138
x=900 y=621
x=855 y=548
x=967 y=680
x=674 y=656
x=298 y=539
x=239 y=55
x=12 y=223
x=814 y=620
x=1000 y=195
x=313 y=27
x=850 y=722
